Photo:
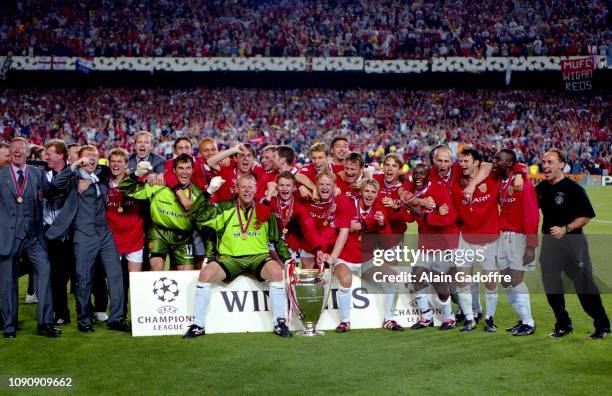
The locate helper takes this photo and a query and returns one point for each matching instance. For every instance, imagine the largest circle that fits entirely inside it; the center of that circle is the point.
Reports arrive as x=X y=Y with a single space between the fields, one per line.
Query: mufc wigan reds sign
x=578 y=74
x=162 y=304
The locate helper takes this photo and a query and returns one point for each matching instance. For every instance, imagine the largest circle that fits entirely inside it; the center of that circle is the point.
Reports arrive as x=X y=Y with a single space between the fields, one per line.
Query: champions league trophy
x=308 y=291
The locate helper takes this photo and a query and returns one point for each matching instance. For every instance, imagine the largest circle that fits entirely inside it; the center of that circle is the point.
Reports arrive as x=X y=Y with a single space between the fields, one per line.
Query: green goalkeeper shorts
x=236 y=265
x=163 y=241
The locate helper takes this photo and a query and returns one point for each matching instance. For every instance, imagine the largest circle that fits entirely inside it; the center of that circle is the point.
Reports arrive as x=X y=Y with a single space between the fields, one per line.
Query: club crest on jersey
x=257 y=225
x=483 y=187
x=510 y=190
x=559 y=198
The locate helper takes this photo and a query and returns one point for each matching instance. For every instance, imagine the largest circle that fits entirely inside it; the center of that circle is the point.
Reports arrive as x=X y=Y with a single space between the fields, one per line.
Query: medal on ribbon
x=244 y=226
x=285 y=219
x=19 y=188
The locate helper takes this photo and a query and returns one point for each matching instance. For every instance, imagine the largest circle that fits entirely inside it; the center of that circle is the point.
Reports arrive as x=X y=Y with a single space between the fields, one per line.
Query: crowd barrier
x=293 y=64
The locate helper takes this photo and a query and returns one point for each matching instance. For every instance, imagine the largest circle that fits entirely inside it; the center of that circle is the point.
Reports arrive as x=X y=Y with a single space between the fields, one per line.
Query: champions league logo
x=165 y=289
x=559 y=198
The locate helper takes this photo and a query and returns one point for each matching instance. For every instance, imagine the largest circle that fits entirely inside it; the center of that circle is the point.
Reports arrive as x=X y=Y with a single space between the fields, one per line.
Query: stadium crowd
x=386 y=29
x=408 y=122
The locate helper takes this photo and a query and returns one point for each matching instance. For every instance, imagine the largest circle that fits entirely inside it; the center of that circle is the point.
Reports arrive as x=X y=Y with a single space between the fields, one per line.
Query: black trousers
x=570 y=256
x=61 y=258
x=99 y=289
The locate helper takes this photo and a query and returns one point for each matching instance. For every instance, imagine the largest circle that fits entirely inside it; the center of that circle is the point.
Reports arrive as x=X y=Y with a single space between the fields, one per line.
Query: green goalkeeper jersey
x=164 y=207
x=231 y=240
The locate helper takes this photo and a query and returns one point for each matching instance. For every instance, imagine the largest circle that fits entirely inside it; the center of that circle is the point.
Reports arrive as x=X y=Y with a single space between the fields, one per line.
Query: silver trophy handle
x=328 y=286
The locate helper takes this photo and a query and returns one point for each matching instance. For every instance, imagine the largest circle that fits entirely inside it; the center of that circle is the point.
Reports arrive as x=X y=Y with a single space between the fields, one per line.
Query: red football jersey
x=125 y=220
x=479 y=217
x=397 y=218
x=450 y=181
x=347 y=189
x=519 y=209
x=263 y=177
x=295 y=223
x=360 y=245
x=437 y=231
x=328 y=218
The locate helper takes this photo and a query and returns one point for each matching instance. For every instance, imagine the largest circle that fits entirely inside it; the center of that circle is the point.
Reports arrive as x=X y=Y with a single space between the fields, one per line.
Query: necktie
x=20 y=178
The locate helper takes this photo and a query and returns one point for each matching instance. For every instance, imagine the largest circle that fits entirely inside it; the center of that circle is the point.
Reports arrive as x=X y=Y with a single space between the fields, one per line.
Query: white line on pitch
x=603 y=221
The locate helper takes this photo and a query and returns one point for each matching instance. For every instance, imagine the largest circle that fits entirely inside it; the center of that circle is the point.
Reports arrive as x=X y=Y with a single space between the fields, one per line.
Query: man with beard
x=567 y=209
x=242 y=246
x=437 y=234
x=519 y=219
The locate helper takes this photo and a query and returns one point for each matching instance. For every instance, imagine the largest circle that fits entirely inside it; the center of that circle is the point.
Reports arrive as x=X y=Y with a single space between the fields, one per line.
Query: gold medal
x=243 y=237
x=359 y=238
x=325 y=223
x=120 y=209
x=285 y=231
x=19 y=200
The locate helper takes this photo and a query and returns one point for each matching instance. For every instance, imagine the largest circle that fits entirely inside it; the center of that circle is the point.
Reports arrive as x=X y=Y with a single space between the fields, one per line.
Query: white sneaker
x=31 y=299
x=101 y=316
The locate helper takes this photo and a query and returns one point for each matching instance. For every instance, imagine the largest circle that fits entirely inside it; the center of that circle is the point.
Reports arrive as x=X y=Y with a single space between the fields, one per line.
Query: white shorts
x=485 y=254
x=198 y=245
x=510 y=250
x=356 y=267
x=135 y=257
x=434 y=262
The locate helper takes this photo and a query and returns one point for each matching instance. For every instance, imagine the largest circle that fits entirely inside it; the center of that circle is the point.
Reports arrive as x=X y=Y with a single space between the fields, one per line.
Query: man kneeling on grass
x=242 y=246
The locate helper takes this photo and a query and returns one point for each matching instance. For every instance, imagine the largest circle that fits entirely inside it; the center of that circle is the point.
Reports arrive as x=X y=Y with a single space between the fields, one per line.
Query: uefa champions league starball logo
x=165 y=289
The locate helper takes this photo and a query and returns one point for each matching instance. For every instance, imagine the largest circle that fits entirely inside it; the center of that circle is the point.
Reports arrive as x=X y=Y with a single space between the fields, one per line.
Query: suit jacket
x=36 y=189
x=157 y=161
x=67 y=182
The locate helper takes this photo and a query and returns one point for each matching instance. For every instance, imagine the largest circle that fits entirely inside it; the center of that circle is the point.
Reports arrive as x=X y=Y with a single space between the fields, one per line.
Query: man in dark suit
x=59 y=250
x=84 y=215
x=22 y=189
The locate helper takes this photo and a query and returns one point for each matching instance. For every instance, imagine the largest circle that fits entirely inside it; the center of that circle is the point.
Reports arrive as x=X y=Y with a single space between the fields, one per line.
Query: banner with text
x=162 y=304
x=578 y=74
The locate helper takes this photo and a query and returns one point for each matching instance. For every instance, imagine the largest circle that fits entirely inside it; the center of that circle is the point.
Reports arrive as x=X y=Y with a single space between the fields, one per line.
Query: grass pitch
x=360 y=362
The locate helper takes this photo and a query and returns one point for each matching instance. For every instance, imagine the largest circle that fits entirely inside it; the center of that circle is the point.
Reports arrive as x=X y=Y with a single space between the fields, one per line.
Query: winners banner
x=162 y=304
x=578 y=74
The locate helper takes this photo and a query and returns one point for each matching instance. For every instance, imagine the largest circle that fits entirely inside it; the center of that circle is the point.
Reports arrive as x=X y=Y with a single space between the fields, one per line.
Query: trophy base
x=305 y=333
